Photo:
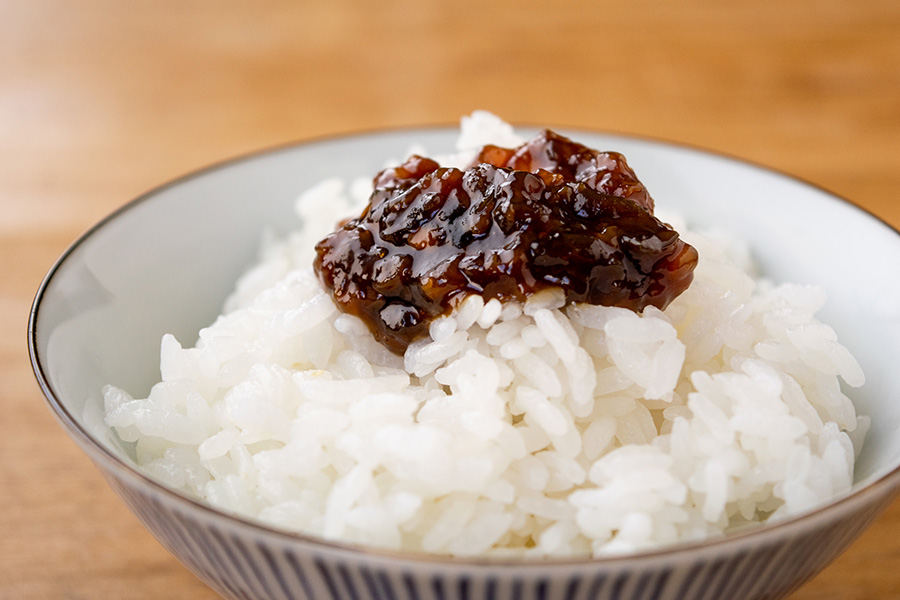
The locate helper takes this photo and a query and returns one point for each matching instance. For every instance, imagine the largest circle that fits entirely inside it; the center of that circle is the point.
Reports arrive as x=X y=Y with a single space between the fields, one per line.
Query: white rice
x=535 y=429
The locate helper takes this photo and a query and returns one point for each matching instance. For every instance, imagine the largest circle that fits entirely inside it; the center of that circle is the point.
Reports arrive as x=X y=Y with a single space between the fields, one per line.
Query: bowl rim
x=104 y=457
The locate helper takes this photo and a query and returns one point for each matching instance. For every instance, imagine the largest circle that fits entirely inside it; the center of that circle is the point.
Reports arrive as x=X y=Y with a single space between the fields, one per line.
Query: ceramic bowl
x=166 y=261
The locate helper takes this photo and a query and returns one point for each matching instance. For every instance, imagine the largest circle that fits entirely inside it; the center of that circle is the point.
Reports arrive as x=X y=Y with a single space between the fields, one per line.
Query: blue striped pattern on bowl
x=244 y=561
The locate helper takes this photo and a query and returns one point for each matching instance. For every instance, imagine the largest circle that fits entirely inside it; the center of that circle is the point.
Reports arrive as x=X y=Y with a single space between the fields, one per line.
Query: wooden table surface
x=102 y=100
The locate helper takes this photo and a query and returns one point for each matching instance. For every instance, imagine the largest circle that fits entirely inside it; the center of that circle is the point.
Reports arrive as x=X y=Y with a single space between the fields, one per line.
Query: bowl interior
x=166 y=262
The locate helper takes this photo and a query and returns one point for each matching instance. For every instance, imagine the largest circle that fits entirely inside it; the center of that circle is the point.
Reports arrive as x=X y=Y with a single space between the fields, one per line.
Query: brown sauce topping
x=550 y=213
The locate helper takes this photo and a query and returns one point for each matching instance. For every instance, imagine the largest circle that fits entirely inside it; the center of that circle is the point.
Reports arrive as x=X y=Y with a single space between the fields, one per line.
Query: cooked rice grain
x=535 y=429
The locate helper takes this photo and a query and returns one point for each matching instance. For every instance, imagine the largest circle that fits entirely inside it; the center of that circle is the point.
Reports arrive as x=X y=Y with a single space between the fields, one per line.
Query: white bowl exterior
x=86 y=332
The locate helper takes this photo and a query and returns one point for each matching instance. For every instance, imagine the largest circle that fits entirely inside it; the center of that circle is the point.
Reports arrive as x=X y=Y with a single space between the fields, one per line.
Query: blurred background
x=101 y=100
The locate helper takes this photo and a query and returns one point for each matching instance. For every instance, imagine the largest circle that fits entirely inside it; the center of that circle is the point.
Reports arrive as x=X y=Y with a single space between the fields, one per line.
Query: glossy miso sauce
x=551 y=213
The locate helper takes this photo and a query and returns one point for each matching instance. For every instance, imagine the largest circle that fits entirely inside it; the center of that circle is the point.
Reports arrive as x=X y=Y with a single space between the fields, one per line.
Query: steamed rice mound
x=535 y=428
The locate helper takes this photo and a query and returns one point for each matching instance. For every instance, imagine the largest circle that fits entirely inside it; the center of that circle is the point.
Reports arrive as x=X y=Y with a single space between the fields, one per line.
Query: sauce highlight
x=550 y=213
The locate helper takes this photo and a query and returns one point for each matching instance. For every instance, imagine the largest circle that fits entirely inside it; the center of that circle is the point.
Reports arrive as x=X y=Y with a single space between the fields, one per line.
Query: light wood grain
x=101 y=100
